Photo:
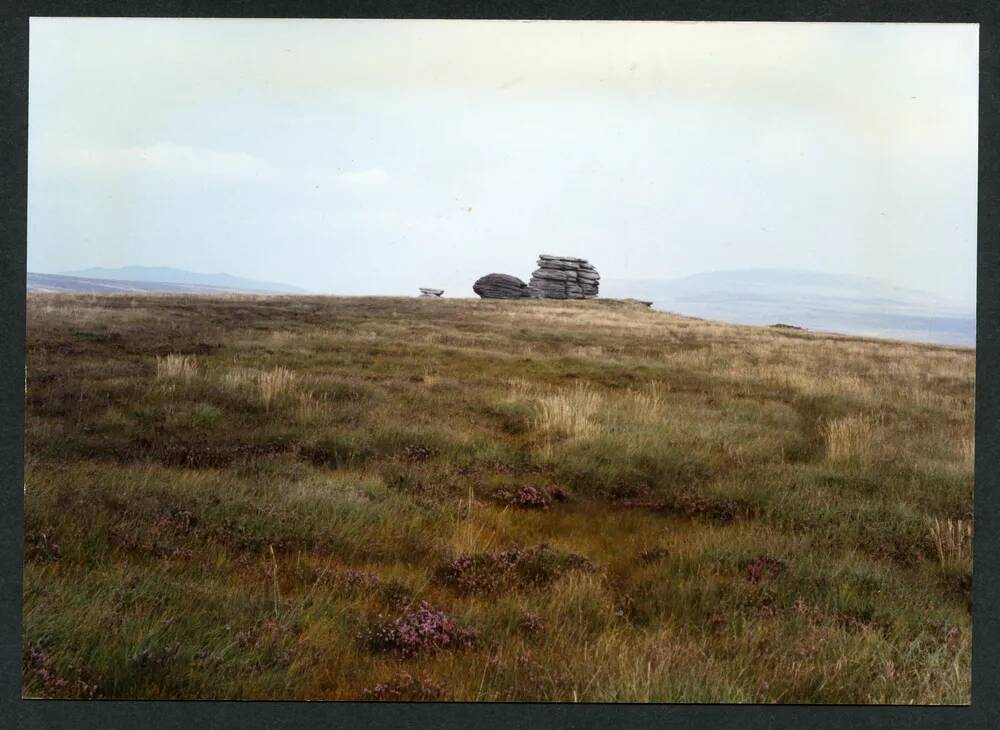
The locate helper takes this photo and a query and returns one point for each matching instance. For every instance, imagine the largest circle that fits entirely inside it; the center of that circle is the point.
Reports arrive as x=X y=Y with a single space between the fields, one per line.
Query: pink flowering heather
x=416 y=452
x=517 y=567
x=763 y=567
x=356 y=581
x=41 y=546
x=531 y=497
x=40 y=664
x=532 y=623
x=405 y=688
x=420 y=630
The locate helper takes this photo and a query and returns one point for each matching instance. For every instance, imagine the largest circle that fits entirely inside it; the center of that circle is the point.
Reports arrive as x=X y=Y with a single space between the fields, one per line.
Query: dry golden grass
x=269 y=386
x=967 y=448
x=238 y=379
x=480 y=528
x=952 y=540
x=174 y=366
x=274 y=384
x=852 y=438
x=571 y=412
x=307 y=407
x=646 y=405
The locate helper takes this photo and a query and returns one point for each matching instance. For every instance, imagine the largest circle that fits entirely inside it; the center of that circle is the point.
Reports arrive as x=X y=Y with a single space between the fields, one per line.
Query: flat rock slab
x=553 y=274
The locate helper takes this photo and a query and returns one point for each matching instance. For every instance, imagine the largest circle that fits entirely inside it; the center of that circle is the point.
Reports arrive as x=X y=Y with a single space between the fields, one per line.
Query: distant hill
x=827 y=302
x=166 y=275
x=58 y=283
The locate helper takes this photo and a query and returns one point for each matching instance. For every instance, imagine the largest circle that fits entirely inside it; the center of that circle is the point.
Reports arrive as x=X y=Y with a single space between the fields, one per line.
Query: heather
x=516 y=568
x=406 y=499
x=420 y=630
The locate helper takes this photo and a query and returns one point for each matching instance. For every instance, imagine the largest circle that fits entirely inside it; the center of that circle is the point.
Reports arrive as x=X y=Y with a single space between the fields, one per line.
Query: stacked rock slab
x=425 y=292
x=503 y=286
x=565 y=277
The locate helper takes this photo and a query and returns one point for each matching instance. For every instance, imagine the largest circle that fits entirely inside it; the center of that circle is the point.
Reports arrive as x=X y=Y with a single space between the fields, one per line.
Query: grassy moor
x=446 y=499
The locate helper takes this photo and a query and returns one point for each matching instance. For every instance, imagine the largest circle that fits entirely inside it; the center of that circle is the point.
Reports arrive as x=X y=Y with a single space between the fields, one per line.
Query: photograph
x=500 y=361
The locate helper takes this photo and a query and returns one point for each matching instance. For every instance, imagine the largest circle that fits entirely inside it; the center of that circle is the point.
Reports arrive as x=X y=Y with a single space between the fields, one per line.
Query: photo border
x=30 y=714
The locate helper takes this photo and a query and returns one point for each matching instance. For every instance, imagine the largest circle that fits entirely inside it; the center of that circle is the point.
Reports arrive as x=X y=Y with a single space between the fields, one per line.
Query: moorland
x=418 y=499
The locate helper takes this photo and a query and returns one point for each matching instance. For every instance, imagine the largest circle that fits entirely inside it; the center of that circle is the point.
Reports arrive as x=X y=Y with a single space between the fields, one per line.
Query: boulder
x=431 y=292
x=502 y=286
x=565 y=277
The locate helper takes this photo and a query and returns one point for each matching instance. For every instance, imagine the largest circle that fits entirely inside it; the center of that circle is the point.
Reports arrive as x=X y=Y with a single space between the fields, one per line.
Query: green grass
x=225 y=496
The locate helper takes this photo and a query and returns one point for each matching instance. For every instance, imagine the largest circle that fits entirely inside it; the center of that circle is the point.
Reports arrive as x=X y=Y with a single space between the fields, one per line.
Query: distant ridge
x=844 y=303
x=58 y=283
x=167 y=275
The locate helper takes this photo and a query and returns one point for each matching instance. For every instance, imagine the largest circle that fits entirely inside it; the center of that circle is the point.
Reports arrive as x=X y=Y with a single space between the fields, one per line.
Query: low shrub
x=354 y=582
x=530 y=497
x=41 y=546
x=405 y=688
x=652 y=555
x=416 y=453
x=532 y=624
x=515 y=568
x=420 y=630
x=40 y=669
x=763 y=567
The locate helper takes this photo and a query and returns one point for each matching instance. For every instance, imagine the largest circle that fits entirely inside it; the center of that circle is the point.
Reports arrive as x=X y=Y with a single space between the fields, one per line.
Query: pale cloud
x=68 y=155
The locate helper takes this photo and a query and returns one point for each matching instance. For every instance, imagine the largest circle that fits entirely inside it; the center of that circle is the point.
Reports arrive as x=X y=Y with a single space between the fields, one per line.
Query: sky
x=378 y=156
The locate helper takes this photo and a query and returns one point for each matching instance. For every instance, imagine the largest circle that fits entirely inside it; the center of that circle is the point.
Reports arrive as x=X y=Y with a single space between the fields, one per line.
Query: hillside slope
x=169 y=275
x=350 y=498
x=60 y=284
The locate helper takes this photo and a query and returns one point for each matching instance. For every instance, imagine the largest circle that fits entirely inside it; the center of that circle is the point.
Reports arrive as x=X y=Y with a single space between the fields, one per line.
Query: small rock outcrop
x=565 y=277
x=431 y=292
x=503 y=286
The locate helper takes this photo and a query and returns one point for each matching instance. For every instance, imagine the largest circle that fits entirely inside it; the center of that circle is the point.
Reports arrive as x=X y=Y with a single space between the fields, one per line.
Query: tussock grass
x=852 y=437
x=275 y=383
x=967 y=448
x=765 y=516
x=239 y=379
x=571 y=412
x=952 y=540
x=269 y=386
x=646 y=405
x=582 y=411
x=174 y=366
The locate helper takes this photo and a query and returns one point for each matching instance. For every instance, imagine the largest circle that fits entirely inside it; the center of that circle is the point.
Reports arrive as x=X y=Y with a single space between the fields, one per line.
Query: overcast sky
x=378 y=156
